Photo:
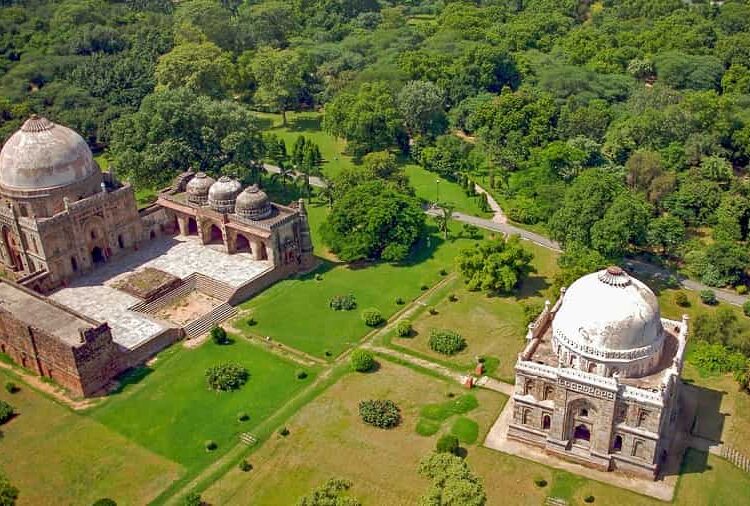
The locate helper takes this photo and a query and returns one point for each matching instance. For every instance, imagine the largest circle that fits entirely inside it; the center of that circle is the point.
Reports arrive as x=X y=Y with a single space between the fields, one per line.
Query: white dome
x=44 y=155
x=608 y=311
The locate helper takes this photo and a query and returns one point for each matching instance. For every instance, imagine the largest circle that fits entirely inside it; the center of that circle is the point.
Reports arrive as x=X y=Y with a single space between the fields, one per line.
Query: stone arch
x=121 y=241
x=152 y=234
x=549 y=392
x=592 y=367
x=215 y=235
x=242 y=243
x=263 y=253
x=192 y=226
x=97 y=255
x=546 y=422
x=582 y=433
x=526 y=416
x=528 y=386
x=617 y=443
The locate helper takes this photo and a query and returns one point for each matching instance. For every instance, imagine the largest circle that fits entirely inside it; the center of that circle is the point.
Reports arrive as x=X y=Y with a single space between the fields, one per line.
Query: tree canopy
x=495 y=265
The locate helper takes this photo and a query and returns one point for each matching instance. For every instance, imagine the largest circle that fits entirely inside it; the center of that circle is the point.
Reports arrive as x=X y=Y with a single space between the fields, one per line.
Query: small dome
x=198 y=187
x=223 y=193
x=253 y=203
x=608 y=311
x=43 y=155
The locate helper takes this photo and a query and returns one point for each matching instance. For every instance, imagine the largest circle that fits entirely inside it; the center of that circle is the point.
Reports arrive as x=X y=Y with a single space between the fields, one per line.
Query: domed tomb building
x=59 y=214
x=598 y=382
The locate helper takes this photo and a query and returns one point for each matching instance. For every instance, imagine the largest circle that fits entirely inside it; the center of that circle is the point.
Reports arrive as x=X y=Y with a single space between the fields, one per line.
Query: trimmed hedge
x=384 y=414
x=226 y=377
x=403 y=328
x=362 y=360
x=372 y=317
x=446 y=342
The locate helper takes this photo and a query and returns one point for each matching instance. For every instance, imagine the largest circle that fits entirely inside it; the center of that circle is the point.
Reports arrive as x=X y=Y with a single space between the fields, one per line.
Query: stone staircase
x=212 y=287
x=735 y=457
x=178 y=292
x=248 y=439
x=203 y=324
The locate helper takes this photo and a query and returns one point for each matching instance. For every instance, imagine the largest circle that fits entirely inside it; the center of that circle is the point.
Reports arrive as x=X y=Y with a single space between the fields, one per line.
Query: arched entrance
x=241 y=244
x=215 y=236
x=546 y=422
x=192 y=228
x=582 y=434
x=617 y=445
x=120 y=241
x=97 y=255
x=74 y=264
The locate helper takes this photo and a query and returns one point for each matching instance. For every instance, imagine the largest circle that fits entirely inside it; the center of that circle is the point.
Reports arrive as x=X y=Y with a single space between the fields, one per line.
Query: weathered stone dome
x=606 y=313
x=198 y=187
x=223 y=194
x=44 y=155
x=253 y=203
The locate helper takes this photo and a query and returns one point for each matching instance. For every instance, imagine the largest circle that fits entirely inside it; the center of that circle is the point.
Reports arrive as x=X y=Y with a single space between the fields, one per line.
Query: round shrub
x=380 y=413
x=245 y=466
x=12 y=388
x=403 y=328
x=443 y=272
x=210 y=445
x=741 y=289
x=541 y=483
x=284 y=431
x=318 y=277
x=343 y=302
x=226 y=377
x=709 y=297
x=453 y=297
x=362 y=360
x=588 y=499
x=219 y=335
x=446 y=342
x=251 y=322
x=328 y=353
x=105 y=501
x=447 y=444
x=432 y=310
x=372 y=317
x=243 y=417
x=681 y=299
x=746 y=308
x=399 y=301
x=6 y=412
x=423 y=287
x=301 y=374
x=193 y=499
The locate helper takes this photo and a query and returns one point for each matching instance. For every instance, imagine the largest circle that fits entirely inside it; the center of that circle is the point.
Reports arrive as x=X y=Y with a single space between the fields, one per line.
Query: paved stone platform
x=94 y=295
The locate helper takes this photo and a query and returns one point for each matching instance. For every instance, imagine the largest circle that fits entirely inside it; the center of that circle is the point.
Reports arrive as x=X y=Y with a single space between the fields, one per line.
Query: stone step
x=248 y=439
x=555 y=501
x=206 y=322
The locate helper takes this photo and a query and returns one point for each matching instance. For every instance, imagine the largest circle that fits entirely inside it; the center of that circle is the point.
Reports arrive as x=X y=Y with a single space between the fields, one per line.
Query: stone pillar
x=182 y=223
x=256 y=246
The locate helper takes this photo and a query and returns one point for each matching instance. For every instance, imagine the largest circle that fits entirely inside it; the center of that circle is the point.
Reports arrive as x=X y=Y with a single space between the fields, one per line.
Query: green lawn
x=296 y=312
x=426 y=187
x=56 y=456
x=493 y=327
x=172 y=412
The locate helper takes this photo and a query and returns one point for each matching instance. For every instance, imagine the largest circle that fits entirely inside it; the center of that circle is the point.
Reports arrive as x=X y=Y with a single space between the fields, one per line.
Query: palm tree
x=444 y=218
x=284 y=174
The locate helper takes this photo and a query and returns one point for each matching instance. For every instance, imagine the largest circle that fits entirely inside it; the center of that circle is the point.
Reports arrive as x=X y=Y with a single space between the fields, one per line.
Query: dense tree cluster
x=453 y=483
x=495 y=265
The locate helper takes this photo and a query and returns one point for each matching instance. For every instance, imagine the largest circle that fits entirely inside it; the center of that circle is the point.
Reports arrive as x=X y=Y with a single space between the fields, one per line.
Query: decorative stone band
x=535 y=369
x=604 y=354
x=222 y=205
x=610 y=384
x=643 y=396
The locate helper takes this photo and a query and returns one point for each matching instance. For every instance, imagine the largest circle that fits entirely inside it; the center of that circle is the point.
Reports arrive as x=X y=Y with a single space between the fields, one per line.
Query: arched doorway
x=74 y=264
x=241 y=244
x=215 y=236
x=120 y=241
x=546 y=422
x=617 y=445
x=97 y=255
x=192 y=228
x=582 y=434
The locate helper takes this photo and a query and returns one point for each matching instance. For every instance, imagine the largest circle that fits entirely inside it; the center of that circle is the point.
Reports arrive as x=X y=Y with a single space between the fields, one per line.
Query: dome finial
x=36 y=123
x=614 y=275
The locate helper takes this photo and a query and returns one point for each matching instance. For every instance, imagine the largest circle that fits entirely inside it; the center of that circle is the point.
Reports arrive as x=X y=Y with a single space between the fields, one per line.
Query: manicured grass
x=296 y=312
x=492 y=326
x=56 y=456
x=465 y=429
x=328 y=439
x=426 y=187
x=707 y=479
x=172 y=412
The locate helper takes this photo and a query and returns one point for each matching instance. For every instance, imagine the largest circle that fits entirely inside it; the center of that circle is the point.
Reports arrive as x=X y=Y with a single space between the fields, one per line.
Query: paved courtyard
x=94 y=296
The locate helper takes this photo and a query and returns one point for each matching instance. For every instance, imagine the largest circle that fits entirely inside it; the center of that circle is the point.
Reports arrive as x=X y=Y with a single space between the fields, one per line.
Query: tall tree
x=495 y=265
x=202 y=68
x=279 y=75
x=421 y=105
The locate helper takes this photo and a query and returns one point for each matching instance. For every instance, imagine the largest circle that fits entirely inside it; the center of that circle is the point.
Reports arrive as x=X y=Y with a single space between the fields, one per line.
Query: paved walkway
x=498 y=216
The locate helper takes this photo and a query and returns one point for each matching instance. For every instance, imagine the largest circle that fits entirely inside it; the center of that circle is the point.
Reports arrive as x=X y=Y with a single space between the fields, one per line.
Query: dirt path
x=58 y=393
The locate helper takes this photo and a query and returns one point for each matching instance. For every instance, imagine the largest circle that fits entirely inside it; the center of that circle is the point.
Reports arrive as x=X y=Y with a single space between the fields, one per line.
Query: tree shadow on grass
x=532 y=286
x=306 y=123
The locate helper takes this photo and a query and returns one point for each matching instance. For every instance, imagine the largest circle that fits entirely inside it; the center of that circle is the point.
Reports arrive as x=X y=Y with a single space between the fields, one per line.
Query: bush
x=741 y=289
x=343 y=302
x=192 y=499
x=283 y=431
x=541 y=483
x=453 y=297
x=251 y=322
x=443 y=272
x=403 y=328
x=716 y=358
x=12 y=388
x=301 y=374
x=447 y=444
x=372 y=317
x=432 y=310
x=219 y=335
x=245 y=466
x=362 y=360
x=446 y=342
x=210 y=445
x=226 y=377
x=380 y=413
x=6 y=412
x=708 y=297
x=746 y=308
x=423 y=287
x=243 y=417
x=318 y=277
x=681 y=299
x=399 y=301
x=588 y=499
x=106 y=501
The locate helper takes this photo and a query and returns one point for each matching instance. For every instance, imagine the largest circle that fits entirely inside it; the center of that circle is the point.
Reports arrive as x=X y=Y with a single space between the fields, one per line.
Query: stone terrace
x=94 y=295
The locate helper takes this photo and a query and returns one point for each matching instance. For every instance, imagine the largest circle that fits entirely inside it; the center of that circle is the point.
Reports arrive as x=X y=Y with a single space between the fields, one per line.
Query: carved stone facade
x=603 y=405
